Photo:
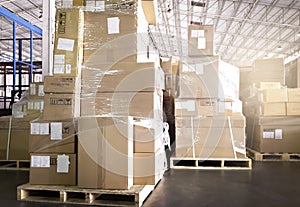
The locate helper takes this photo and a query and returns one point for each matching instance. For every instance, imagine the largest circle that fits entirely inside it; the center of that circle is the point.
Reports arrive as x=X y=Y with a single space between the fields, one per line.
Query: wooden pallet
x=14 y=164
x=260 y=156
x=211 y=163
x=135 y=196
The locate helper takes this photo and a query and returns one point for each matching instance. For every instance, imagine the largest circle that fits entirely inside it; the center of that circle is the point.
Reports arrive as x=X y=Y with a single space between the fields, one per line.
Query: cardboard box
x=292 y=109
x=269 y=85
x=271 y=64
x=105 y=152
x=18 y=146
x=52 y=169
x=68 y=43
x=148 y=136
x=52 y=137
x=202 y=142
x=272 y=109
x=292 y=74
x=61 y=106
x=208 y=77
x=137 y=104
x=273 y=95
x=196 y=107
x=201 y=40
x=211 y=122
x=122 y=77
x=62 y=84
x=3 y=143
x=293 y=94
x=149 y=167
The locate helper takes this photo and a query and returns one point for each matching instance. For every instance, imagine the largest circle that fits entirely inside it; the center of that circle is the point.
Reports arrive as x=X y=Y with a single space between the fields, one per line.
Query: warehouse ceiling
x=244 y=29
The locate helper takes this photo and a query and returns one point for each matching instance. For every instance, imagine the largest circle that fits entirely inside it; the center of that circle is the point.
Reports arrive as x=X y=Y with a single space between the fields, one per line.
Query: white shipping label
x=59 y=64
x=199 y=69
x=188 y=105
x=100 y=6
x=113 y=25
x=63 y=162
x=67 y=3
x=201 y=43
x=278 y=133
x=197 y=33
x=56 y=131
x=40 y=161
x=68 y=69
x=35 y=128
x=268 y=135
x=32 y=89
x=30 y=105
x=65 y=44
x=44 y=128
x=41 y=90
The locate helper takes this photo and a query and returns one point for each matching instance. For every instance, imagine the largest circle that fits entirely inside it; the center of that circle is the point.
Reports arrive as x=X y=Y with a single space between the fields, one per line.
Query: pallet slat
x=211 y=163
x=14 y=164
x=261 y=156
x=135 y=196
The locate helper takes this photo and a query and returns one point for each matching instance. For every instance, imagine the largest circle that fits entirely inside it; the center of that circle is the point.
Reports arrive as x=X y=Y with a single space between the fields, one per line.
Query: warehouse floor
x=268 y=184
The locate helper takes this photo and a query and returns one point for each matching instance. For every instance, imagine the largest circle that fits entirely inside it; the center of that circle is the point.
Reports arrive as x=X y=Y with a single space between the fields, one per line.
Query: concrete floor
x=268 y=184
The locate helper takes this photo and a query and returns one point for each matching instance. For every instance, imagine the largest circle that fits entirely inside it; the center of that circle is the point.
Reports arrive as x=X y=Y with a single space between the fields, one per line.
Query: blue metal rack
x=18 y=62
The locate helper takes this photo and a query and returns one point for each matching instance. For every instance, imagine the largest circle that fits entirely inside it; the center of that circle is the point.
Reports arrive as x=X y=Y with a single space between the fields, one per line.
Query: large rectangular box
x=122 y=77
x=137 y=104
x=68 y=43
x=149 y=167
x=273 y=95
x=208 y=77
x=271 y=64
x=272 y=109
x=54 y=84
x=293 y=109
x=292 y=74
x=105 y=152
x=148 y=136
x=52 y=169
x=293 y=94
x=52 y=137
x=196 y=107
x=61 y=106
x=214 y=142
x=201 y=40
x=273 y=134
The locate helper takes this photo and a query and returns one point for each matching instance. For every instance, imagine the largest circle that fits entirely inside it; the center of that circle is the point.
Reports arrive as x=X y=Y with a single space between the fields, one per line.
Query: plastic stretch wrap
x=208 y=77
x=211 y=137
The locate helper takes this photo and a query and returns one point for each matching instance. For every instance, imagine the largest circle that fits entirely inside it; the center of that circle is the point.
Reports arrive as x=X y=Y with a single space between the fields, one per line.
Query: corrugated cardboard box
x=202 y=142
x=273 y=95
x=271 y=64
x=55 y=84
x=68 y=43
x=61 y=106
x=105 y=152
x=211 y=122
x=149 y=167
x=122 y=77
x=208 y=77
x=138 y=104
x=292 y=109
x=52 y=169
x=52 y=137
x=272 y=109
x=201 y=40
x=196 y=107
x=294 y=94
x=148 y=136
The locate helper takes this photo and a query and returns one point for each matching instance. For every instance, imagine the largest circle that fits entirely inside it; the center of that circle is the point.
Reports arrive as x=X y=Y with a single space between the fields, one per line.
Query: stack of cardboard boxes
x=52 y=141
x=209 y=120
x=273 y=119
x=120 y=128
x=15 y=129
x=106 y=90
